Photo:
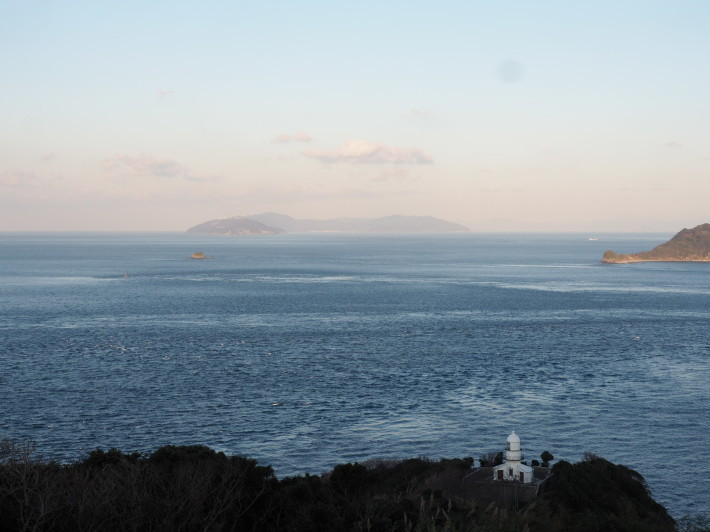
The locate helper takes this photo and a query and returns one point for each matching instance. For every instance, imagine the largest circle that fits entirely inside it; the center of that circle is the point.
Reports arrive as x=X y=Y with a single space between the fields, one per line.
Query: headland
x=689 y=245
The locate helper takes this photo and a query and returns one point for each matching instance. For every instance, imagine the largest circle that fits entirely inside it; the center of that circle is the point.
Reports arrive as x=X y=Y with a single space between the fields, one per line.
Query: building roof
x=513 y=438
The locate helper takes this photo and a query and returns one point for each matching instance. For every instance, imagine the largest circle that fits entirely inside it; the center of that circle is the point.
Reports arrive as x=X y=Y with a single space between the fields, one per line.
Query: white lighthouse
x=512 y=468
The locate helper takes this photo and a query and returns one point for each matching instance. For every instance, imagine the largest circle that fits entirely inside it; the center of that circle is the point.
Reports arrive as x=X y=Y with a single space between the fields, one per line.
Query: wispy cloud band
x=17 y=178
x=148 y=165
x=144 y=164
x=299 y=136
x=366 y=152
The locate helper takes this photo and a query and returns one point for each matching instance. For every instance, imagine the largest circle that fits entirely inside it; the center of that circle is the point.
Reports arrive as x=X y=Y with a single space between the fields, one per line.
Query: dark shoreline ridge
x=197 y=488
x=689 y=245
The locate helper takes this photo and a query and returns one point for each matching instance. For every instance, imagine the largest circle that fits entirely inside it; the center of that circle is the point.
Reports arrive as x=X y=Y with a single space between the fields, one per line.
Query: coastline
x=630 y=261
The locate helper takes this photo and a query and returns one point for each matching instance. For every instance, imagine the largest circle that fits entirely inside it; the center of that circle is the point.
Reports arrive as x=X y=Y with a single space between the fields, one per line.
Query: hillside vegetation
x=196 y=488
x=689 y=245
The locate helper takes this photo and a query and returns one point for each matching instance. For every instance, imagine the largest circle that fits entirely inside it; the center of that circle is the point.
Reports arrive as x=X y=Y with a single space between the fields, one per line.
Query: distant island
x=234 y=227
x=689 y=245
x=273 y=223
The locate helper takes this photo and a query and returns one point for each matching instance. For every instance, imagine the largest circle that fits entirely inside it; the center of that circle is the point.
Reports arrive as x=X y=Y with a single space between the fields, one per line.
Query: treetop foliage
x=197 y=488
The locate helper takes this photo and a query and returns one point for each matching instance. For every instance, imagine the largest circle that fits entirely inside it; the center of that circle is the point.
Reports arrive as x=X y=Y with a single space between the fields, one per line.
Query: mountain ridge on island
x=688 y=245
x=236 y=226
x=275 y=223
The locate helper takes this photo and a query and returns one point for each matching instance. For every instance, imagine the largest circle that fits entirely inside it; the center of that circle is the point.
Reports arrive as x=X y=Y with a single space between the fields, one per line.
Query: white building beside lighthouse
x=513 y=468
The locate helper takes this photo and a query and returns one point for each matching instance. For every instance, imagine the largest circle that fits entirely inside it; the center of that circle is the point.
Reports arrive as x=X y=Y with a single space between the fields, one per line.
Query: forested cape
x=688 y=245
x=196 y=488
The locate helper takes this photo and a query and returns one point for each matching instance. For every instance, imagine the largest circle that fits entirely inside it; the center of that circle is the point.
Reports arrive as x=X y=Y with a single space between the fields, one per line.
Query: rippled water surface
x=305 y=351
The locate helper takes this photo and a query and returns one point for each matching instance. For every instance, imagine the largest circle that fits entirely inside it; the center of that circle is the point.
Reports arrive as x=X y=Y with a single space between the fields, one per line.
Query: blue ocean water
x=305 y=351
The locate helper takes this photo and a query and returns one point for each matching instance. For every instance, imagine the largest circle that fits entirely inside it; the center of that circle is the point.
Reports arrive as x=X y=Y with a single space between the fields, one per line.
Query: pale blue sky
x=589 y=116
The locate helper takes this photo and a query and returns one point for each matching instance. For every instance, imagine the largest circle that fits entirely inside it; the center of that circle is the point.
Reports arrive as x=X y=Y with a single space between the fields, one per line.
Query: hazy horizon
x=503 y=117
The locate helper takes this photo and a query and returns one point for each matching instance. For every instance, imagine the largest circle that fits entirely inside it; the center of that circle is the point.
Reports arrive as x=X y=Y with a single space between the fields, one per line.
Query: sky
x=502 y=116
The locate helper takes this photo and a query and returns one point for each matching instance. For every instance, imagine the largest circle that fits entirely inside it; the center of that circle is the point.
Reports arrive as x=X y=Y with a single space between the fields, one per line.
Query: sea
x=307 y=351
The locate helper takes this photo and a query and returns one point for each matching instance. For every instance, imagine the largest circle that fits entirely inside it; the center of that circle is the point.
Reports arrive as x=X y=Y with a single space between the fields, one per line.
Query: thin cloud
x=297 y=193
x=366 y=152
x=148 y=165
x=144 y=164
x=392 y=173
x=48 y=157
x=162 y=94
x=282 y=158
x=674 y=144
x=203 y=177
x=418 y=113
x=299 y=136
x=17 y=178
